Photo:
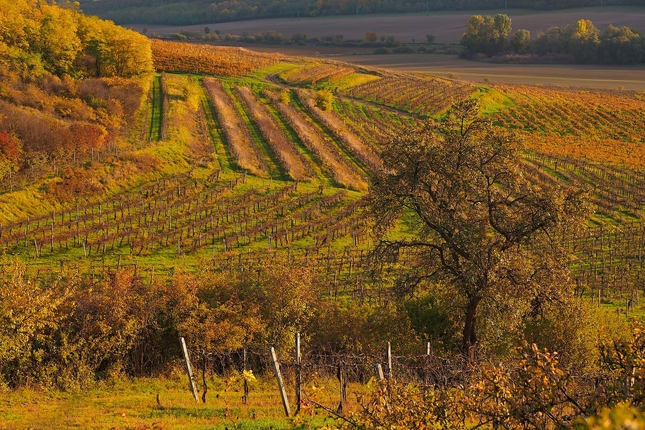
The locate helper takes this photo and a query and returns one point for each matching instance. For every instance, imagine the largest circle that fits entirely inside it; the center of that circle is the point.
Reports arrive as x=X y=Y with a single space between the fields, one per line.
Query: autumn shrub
x=393 y=405
x=431 y=317
x=277 y=301
x=528 y=389
x=30 y=315
x=75 y=183
x=324 y=99
x=573 y=328
x=362 y=328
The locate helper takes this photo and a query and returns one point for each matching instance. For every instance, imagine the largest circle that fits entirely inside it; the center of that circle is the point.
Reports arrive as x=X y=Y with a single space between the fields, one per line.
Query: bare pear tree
x=479 y=225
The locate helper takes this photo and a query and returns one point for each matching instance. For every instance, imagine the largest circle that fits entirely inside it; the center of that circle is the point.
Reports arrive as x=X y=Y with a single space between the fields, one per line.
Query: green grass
x=358 y=165
x=156 y=108
x=224 y=157
x=132 y=404
x=320 y=175
x=492 y=101
x=347 y=82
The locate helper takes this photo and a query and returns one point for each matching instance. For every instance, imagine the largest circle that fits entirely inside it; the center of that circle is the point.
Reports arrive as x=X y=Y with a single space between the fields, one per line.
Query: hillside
x=248 y=161
x=224 y=198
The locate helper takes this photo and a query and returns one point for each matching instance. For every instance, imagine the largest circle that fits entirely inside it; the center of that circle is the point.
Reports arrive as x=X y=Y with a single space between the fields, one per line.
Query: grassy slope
x=156 y=120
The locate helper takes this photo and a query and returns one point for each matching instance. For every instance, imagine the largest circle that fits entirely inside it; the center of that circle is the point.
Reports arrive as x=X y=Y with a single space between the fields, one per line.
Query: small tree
x=285 y=97
x=430 y=38
x=486 y=34
x=521 y=41
x=370 y=37
x=207 y=30
x=479 y=225
x=324 y=99
x=584 y=41
x=621 y=45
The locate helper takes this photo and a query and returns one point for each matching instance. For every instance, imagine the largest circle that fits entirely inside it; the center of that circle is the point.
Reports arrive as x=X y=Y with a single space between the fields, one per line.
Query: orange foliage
x=600 y=151
x=9 y=147
x=413 y=92
x=87 y=136
x=76 y=183
x=217 y=60
x=595 y=114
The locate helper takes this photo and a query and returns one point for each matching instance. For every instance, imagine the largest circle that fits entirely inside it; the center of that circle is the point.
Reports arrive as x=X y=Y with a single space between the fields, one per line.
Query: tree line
x=36 y=39
x=180 y=12
x=582 y=42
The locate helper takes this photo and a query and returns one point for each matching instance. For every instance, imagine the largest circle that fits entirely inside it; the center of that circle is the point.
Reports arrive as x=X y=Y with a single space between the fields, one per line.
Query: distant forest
x=178 y=12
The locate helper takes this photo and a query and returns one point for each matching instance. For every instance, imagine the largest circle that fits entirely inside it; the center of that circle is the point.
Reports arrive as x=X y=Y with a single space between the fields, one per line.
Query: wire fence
x=296 y=370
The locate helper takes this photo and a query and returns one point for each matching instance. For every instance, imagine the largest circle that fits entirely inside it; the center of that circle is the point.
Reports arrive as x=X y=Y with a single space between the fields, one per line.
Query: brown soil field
x=568 y=75
x=574 y=75
x=448 y=27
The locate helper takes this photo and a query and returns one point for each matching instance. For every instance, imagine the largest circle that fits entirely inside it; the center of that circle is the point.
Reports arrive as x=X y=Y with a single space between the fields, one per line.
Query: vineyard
x=267 y=168
x=193 y=58
x=597 y=115
x=413 y=93
x=234 y=211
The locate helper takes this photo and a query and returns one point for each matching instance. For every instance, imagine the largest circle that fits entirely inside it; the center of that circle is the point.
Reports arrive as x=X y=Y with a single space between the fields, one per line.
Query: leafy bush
x=381 y=51
x=324 y=99
x=403 y=50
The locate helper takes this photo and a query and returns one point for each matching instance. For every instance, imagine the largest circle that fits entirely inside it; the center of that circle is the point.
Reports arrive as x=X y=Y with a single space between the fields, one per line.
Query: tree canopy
x=581 y=42
x=479 y=225
x=486 y=34
x=36 y=38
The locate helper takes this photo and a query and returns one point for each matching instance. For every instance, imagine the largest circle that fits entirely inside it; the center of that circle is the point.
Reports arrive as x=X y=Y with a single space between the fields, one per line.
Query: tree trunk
x=469 y=334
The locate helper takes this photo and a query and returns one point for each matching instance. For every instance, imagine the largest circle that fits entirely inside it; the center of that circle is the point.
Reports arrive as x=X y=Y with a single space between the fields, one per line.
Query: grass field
x=132 y=404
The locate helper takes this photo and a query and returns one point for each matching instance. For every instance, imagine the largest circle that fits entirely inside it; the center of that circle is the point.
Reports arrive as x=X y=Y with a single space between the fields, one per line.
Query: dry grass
x=334 y=162
x=237 y=135
x=353 y=142
x=284 y=150
x=133 y=405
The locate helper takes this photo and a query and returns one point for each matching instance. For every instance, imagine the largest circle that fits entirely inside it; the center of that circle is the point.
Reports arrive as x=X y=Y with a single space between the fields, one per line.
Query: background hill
x=205 y=11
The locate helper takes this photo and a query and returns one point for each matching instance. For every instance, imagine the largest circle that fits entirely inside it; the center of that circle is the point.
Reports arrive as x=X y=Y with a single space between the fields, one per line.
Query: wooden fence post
x=298 y=374
x=426 y=367
x=189 y=370
x=278 y=376
x=245 y=396
x=389 y=360
x=379 y=372
x=343 y=387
